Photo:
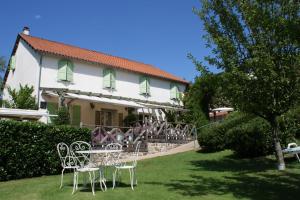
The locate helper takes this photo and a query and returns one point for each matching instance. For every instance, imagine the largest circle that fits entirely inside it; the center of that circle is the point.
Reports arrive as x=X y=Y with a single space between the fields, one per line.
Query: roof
x=61 y=49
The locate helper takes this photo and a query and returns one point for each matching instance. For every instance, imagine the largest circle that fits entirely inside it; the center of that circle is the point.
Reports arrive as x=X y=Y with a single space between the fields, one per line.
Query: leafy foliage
x=247 y=135
x=213 y=138
x=256 y=43
x=63 y=116
x=21 y=98
x=28 y=149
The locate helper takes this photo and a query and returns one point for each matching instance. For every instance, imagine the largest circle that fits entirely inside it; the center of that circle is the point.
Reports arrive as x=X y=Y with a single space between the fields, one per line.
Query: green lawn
x=190 y=175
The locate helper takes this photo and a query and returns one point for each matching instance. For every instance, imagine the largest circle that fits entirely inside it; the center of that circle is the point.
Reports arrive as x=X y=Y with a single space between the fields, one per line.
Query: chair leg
x=135 y=179
x=92 y=181
x=131 y=178
x=297 y=157
x=102 y=180
x=62 y=178
x=75 y=182
x=114 y=178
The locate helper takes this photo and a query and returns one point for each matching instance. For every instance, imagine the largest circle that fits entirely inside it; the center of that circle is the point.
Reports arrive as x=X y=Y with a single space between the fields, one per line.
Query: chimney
x=26 y=30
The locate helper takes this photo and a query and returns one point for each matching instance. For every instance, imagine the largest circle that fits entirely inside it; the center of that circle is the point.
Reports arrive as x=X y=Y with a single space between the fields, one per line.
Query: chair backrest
x=83 y=158
x=63 y=152
x=113 y=146
x=136 y=153
x=112 y=158
x=71 y=162
x=292 y=145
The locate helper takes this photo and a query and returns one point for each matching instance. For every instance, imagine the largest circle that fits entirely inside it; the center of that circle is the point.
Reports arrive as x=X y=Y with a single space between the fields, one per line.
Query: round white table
x=100 y=151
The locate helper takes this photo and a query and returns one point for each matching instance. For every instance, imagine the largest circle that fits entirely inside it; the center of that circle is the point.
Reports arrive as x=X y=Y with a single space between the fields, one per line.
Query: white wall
x=88 y=77
x=26 y=71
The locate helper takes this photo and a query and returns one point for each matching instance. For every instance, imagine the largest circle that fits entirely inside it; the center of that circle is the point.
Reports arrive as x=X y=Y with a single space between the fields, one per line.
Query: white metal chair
x=111 y=159
x=293 y=145
x=85 y=163
x=131 y=167
x=66 y=161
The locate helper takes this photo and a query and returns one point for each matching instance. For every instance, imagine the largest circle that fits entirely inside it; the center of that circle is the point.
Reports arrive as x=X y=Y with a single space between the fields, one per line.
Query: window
x=109 y=78
x=144 y=85
x=12 y=63
x=174 y=91
x=65 y=70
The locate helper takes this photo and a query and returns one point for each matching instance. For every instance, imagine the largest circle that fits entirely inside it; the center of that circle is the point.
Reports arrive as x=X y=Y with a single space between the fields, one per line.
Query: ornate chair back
x=113 y=158
x=83 y=158
x=63 y=152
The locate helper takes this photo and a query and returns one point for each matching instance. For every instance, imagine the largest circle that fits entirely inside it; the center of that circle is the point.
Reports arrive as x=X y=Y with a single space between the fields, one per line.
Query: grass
x=190 y=175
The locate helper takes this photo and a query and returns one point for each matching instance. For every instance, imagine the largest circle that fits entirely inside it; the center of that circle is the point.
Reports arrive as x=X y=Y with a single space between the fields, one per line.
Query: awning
x=117 y=102
x=22 y=113
x=156 y=106
x=103 y=100
x=224 y=109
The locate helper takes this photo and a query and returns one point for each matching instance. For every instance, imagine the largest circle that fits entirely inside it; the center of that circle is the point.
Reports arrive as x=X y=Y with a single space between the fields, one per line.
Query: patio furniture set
x=81 y=158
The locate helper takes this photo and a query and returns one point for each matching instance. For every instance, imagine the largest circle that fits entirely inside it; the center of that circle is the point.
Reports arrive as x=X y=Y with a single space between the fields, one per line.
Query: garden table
x=103 y=163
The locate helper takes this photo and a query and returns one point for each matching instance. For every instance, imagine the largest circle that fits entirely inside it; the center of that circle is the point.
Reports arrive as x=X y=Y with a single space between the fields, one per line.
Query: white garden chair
x=85 y=163
x=112 y=158
x=293 y=145
x=131 y=167
x=67 y=162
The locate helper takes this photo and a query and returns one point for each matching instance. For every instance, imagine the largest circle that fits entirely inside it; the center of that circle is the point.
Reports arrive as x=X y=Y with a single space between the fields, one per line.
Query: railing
x=154 y=132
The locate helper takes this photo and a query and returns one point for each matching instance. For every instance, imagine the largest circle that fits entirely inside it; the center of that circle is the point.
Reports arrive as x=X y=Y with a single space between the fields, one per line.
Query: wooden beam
x=60 y=90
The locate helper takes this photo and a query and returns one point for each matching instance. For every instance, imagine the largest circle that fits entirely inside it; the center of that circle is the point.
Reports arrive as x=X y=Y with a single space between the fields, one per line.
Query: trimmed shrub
x=28 y=149
x=213 y=138
x=251 y=139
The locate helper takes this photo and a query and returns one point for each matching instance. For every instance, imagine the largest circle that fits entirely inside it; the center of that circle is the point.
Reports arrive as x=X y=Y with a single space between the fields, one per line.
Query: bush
x=213 y=138
x=246 y=135
x=251 y=139
x=290 y=122
x=63 y=116
x=28 y=149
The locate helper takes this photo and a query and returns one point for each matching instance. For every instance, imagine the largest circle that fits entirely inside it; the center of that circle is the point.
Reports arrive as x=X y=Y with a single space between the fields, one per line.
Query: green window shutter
x=106 y=78
x=173 y=91
x=69 y=71
x=12 y=63
x=148 y=85
x=113 y=79
x=62 y=70
x=76 y=115
x=143 y=85
x=52 y=108
x=177 y=93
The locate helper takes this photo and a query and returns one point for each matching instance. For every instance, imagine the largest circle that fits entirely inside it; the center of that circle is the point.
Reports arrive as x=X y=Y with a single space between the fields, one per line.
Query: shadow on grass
x=243 y=178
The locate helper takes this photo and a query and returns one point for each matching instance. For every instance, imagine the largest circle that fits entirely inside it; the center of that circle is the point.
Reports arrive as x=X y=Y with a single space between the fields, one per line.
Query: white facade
x=27 y=70
x=88 y=77
x=41 y=71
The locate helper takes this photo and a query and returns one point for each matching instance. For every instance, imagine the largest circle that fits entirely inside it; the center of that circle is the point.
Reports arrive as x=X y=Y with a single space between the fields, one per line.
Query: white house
x=99 y=89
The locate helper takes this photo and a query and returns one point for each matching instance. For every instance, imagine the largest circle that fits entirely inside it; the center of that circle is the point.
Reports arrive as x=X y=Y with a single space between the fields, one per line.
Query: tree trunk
x=278 y=150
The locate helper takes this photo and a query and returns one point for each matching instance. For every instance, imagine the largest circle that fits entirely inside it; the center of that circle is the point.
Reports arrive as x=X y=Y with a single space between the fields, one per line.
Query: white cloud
x=37 y=16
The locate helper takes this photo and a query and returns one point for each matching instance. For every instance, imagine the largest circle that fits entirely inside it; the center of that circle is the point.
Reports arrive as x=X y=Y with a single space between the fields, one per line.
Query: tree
x=256 y=43
x=2 y=67
x=63 y=116
x=204 y=94
x=21 y=98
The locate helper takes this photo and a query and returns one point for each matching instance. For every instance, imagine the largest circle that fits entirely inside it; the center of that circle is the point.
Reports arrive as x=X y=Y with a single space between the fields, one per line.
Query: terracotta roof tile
x=70 y=51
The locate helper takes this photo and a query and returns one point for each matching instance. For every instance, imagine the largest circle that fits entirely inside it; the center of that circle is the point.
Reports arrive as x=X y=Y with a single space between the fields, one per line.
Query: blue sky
x=157 y=32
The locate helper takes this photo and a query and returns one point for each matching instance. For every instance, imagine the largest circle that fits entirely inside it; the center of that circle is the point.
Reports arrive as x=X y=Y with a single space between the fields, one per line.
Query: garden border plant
x=28 y=149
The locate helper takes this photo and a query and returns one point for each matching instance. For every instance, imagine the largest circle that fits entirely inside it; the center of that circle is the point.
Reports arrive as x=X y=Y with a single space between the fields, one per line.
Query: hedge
x=247 y=135
x=213 y=138
x=28 y=149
